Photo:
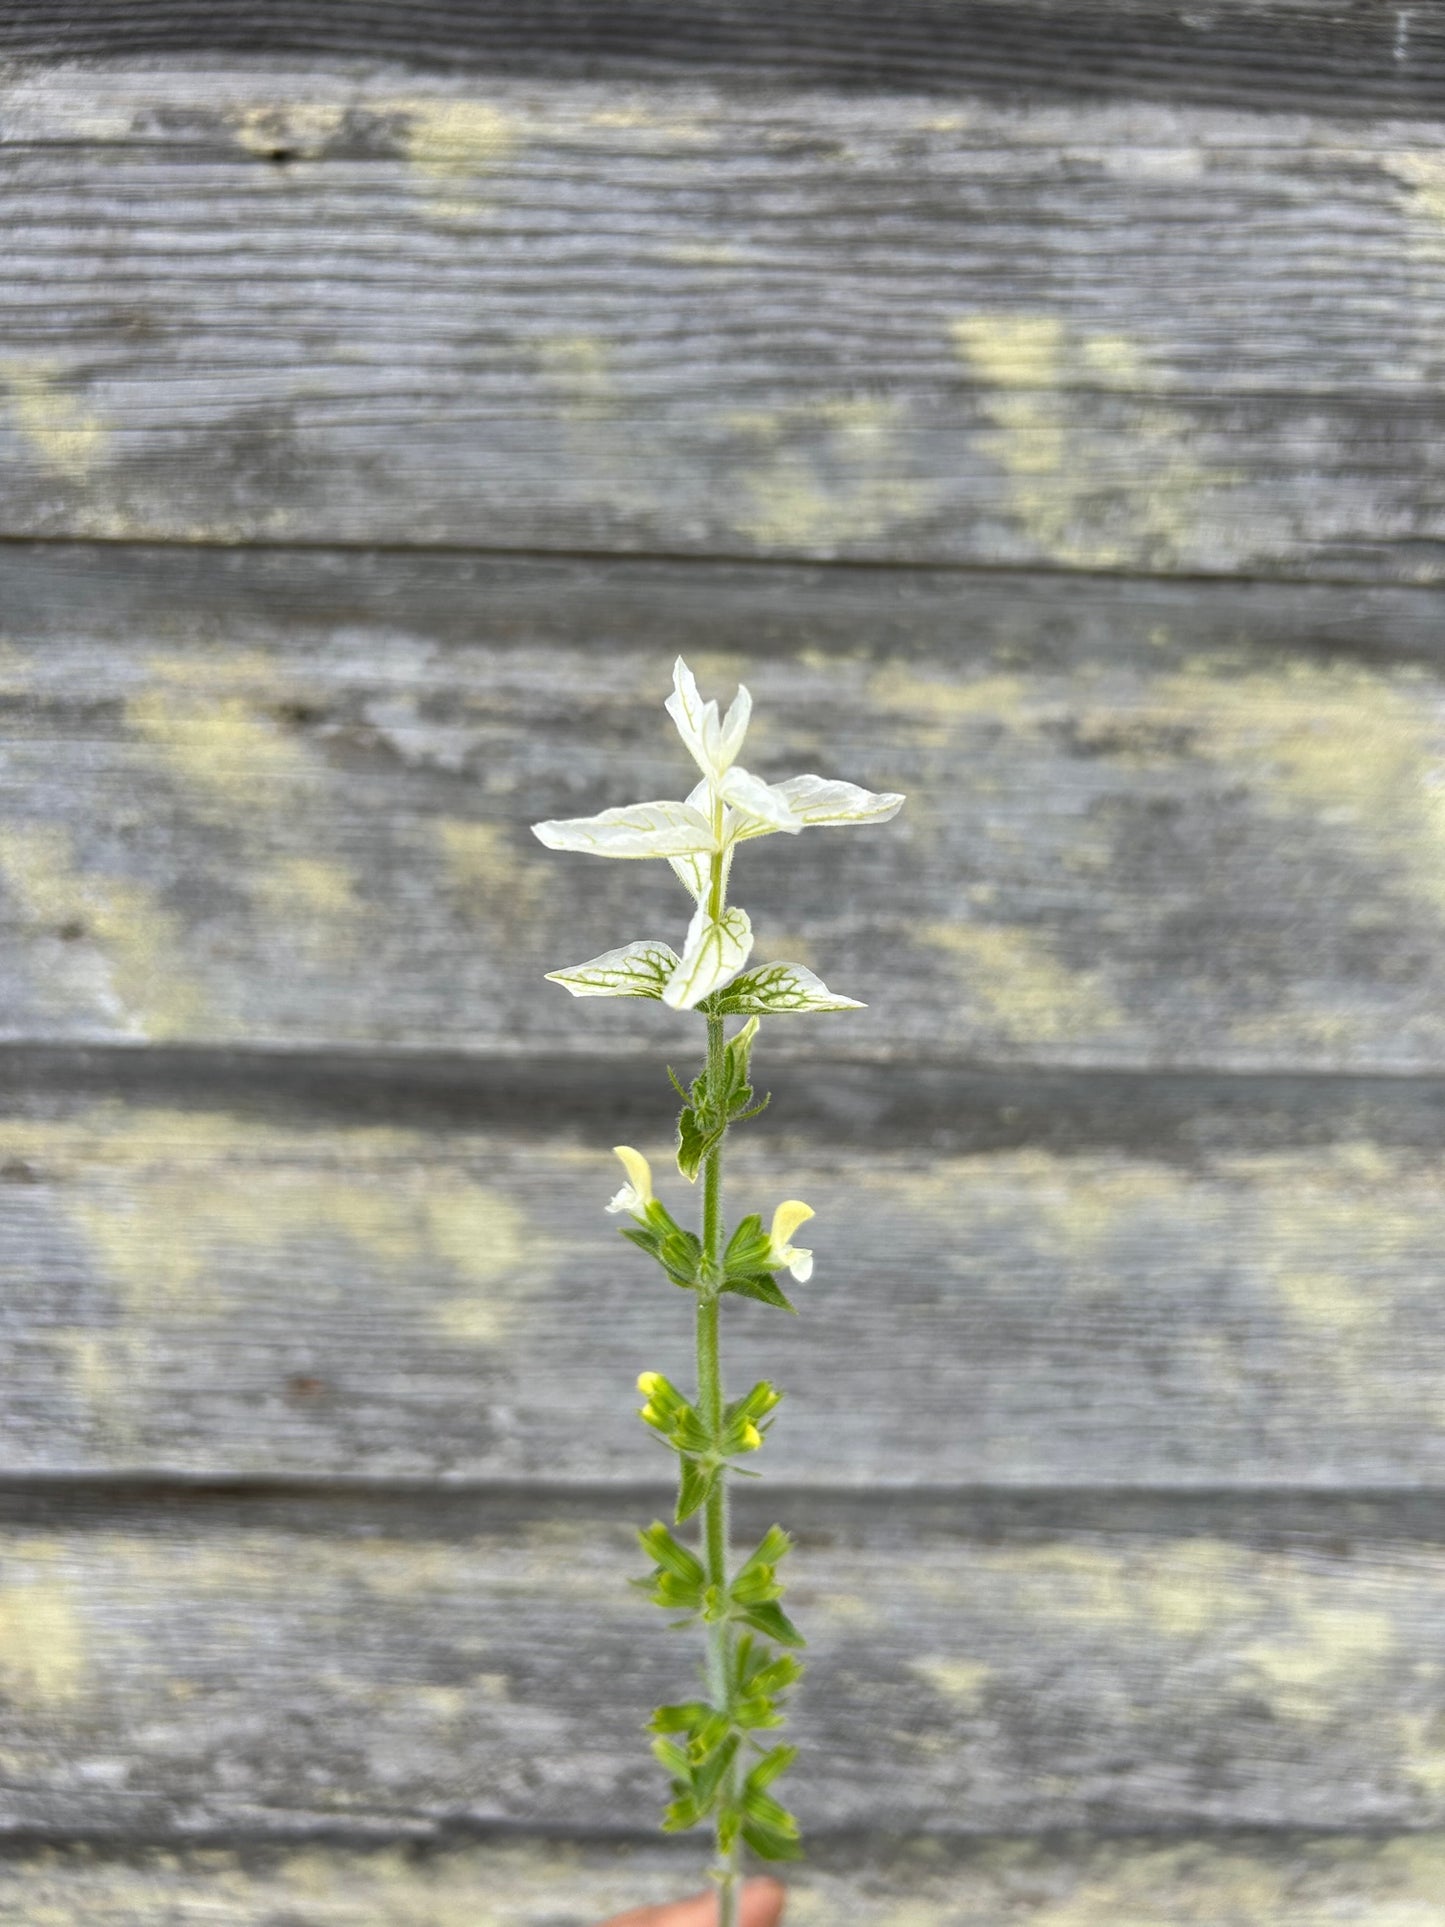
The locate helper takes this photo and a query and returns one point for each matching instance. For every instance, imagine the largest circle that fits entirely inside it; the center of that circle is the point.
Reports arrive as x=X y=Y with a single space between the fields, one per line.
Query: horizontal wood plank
x=212 y=1293
x=1274 y=54
x=532 y=314
x=263 y=1674
x=1248 y=1881
x=279 y=800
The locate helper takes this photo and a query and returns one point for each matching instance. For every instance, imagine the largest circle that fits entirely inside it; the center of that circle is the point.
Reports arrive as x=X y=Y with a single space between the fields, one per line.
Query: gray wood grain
x=245 y=1670
x=282 y=801
x=1274 y=54
x=521 y=313
x=249 y=1293
x=1248 y=1880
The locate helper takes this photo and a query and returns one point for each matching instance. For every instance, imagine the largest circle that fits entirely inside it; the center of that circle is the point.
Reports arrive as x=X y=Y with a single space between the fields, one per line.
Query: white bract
x=697 y=836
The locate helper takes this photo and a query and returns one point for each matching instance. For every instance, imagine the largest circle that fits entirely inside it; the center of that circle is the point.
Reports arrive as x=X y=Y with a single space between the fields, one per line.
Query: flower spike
x=719 y=1769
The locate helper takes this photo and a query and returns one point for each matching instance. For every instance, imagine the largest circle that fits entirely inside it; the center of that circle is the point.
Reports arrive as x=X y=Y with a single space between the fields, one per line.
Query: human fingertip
x=763 y=1903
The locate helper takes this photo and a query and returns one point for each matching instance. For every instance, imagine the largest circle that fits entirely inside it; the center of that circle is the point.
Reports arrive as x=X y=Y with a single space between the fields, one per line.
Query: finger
x=762 y=1903
x=762 y=1906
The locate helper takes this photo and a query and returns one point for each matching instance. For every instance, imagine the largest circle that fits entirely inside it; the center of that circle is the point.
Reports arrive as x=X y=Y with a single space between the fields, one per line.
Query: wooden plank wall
x=1038 y=404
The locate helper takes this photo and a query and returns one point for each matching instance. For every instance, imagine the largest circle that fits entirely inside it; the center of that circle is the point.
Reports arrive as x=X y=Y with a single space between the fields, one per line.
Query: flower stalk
x=719 y=1767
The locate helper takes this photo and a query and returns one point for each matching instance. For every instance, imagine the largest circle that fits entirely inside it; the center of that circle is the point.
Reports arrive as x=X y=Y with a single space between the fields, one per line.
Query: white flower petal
x=800 y=1263
x=755 y=800
x=637 y=830
x=714 y=952
x=636 y=970
x=777 y=988
x=816 y=801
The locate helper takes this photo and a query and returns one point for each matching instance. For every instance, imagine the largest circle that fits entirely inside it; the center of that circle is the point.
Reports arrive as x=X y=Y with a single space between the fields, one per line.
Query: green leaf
x=681 y=1257
x=765 y=1811
x=679 y=1718
x=682 y=1814
x=756 y=1715
x=757 y=1403
x=760 y=1285
x=777 y=1760
x=670 y=1592
x=694 y=1488
x=711 y=1732
x=671 y=1556
x=748 y=1246
x=769 y=1617
x=774 y=1545
x=670 y=1755
x=768 y=1844
x=777 y=1676
x=694 y=1141
x=774 y=990
x=706 y=1778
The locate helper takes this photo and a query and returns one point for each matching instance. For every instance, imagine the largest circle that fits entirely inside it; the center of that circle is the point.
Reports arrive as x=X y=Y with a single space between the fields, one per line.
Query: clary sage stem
x=719 y=1768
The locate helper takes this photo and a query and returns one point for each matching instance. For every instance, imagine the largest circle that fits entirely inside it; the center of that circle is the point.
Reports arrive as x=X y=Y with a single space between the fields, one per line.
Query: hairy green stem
x=710 y=1401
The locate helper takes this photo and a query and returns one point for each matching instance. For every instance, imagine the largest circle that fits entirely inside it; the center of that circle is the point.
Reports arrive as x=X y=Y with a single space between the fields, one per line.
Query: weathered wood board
x=277 y=800
x=221 y=1293
x=251 y=301
x=1272 y=54
x=400 y=1670
x=1248 y=1881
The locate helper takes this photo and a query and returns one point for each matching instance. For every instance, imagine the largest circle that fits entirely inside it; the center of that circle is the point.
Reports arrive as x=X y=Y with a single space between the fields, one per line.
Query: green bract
x=719 y=1770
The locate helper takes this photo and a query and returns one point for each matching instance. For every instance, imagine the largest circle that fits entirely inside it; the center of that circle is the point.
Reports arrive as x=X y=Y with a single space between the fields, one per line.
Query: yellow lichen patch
x=119 y=958
x=1009 y=979
x=1329 y=1651
x=1090 y=490
x=59 y=429
x=451 y=146
x=1422 y=1753
x=314 y=897
x=828 y=474
x=578 y=370
x=1422 y=171
x=228 y=753
x=1179 y=1589
x=299 y=129
x=784 y=946
x=104 y=1369
x=489 y=874
x=960 y=1680
x=485 y=1241
x=1195 y=1587
x=1011 y=350
x=1082 y=1207
x=900 y=690
x=179 y=1208
x=42 y=1639
x=1201 y=1884
x=1357 y=749
x=703 y=255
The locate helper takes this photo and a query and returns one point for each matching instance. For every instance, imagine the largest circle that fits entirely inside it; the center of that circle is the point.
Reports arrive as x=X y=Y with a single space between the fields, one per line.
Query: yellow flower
x=786 y=1219
x=636 y=1194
